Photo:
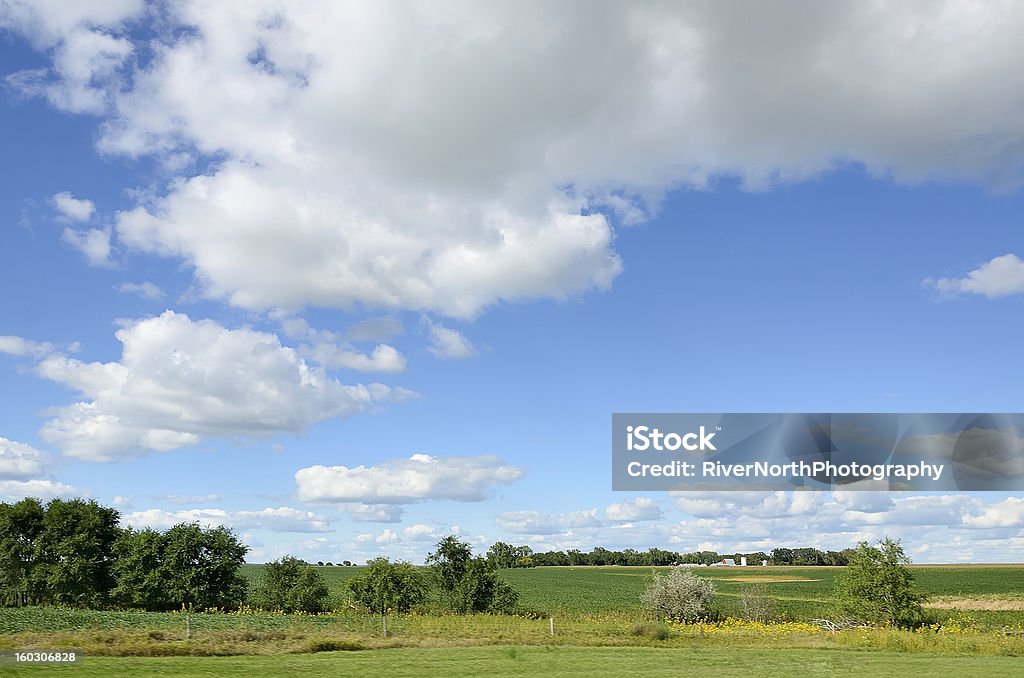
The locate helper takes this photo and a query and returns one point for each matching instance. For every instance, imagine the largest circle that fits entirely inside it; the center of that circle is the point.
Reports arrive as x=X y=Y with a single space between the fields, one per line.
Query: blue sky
x=351 y=279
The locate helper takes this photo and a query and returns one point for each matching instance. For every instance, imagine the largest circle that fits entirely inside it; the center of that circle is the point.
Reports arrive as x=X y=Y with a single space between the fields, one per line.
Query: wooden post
x=188 y=625
x=384 y=621
x=551 y=621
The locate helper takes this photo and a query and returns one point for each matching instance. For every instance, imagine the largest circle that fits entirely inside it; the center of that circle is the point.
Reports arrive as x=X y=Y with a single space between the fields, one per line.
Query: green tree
x=20 y=525
x=449 y=563
x=469 y=584
x=501 y=555
x=291 y=585
x=385 y=586
x=877 y=586
x=679 y=595
x=140 y=573
x=74 y=553
x=186 y=566
x=203 y=567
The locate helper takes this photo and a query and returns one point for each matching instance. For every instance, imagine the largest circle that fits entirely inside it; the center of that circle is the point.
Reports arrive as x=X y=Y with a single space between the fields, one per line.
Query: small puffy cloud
x=93 y=243
x=18 y=346
x=373 y=513
x=1007 y=513
x=448 y=343
x=179 y=380
x=282 y=519
x=761 y=504
x=332 y=349
x=421 y=477
x=421 y=532
x=383 y=358
x=999 y=277
x=864 y=502
x=385 y=537
x=388 y=535
x=534 y=522
x=191 y=498
x=14 y=490
x=641 y=508
x=19 y=461
x=146 y=290
x=72 y=209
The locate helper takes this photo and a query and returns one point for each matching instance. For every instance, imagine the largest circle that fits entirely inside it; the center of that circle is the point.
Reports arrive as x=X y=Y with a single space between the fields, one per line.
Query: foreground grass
x=264 y=634
x=554 y=662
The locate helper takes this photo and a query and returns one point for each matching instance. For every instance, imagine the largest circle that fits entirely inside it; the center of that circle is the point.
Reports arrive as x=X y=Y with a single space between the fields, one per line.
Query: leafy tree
x=450 y=561
x=877 y=586
x=20 y=525
x=384 y=586
x=291 y=585
x=186 y=566
x=469 y=584
x=501 y=555
x=74 y=553
x=203 y=567
x=139 y=571
x=679 y=595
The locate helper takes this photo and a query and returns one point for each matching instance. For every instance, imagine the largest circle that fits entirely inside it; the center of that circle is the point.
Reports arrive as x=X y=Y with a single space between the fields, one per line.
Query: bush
x=385 y=586
x=291 y=585
x=469 y=584
x=756 y=605
x=876 y=586
x=679 y=595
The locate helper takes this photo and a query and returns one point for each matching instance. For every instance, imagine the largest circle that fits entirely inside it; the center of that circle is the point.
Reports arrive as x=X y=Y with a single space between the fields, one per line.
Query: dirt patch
x=765 y=579
x=977 y=604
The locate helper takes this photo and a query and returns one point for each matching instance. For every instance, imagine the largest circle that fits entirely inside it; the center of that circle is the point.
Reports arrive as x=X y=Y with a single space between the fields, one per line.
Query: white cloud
x=70 y=208
x=332 y=349
x=93 y=243
x=448 y=157
x=421 y=477
x=448 y=343
x=1007 y=513
x=1000 y=277
x=282 y=519
x=534 y=522
x=15 y=490
x=384 y=358
x=641 y=508
x=191 y=499
x=421 y=532
x=179 y=380
x=18 y=346
x=373 y=513
x=146 y=290
x=386 y=536
x=19 y=461
x=762 y=504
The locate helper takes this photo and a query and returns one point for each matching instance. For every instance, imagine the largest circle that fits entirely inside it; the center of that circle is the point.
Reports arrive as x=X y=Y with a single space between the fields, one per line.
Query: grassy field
x=800 y=592
x=592 y=606
x=550 y=662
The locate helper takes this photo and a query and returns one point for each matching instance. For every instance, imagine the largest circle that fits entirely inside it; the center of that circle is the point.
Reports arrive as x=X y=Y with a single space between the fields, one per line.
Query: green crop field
x=800 y=592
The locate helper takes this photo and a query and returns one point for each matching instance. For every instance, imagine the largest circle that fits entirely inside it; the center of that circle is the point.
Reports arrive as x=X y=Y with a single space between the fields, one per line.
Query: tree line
x=507 y=556
x=72 y=552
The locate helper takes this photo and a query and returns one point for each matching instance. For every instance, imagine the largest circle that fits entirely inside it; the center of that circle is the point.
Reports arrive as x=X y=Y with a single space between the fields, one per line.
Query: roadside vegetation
x=70 y=577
